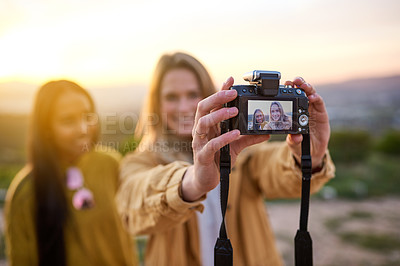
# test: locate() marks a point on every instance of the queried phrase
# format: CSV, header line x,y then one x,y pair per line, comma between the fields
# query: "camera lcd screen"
x,y
270,115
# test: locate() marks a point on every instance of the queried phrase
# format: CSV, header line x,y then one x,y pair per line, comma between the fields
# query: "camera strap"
x,y
302,240
223,252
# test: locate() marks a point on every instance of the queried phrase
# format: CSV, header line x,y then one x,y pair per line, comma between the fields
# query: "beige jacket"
x,y
149,203
94,236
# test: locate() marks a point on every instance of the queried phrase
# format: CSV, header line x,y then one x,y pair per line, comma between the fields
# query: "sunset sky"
x,y
117,43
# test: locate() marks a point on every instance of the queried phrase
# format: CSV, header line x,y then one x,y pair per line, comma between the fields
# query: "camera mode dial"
x,y
303,120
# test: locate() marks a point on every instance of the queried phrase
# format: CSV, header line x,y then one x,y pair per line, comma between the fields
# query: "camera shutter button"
x,y
298,91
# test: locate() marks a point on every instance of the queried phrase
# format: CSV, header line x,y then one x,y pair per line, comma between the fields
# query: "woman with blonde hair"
x,y
60,208
170,184
278,120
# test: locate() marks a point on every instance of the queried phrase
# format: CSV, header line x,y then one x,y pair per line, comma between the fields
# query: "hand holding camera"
x,y
292,109
318,125
265,107
203,175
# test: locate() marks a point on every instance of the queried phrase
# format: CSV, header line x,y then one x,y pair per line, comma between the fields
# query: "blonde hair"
x,y
283,117
150,123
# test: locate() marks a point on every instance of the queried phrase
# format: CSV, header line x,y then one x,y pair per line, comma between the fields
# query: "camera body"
x,y
265,107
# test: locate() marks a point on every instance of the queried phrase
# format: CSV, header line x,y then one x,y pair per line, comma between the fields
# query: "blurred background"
x,y
349,50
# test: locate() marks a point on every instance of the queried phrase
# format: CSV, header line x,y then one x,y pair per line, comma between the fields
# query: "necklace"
x,y
83,197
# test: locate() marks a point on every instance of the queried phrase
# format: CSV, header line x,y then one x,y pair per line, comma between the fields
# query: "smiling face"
x,y
73,125
180,94
275,113
259,117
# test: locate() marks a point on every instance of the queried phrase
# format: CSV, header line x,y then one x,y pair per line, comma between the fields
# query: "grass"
x,y
386,244
376,176
376,242
360,215
335,223
2,247
7,173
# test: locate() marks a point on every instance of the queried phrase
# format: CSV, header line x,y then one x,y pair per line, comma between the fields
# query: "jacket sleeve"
x,y
149,199
273,170
19,226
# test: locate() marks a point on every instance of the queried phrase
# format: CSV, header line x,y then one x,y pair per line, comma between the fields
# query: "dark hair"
x,y
254,119
48,179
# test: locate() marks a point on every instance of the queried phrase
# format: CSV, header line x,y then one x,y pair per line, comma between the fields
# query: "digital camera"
x,y
265,107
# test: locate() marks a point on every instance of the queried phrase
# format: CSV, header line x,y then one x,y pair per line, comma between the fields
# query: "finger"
x,y
225,86
294,143
298,81
214,131
289,83
307,87
199,140
213,119
215,100
208,125
216,144
246,141
317,102
294,139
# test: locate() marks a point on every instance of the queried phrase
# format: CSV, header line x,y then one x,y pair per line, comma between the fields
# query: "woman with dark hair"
x,y
60,208
169,184
278,120
258,120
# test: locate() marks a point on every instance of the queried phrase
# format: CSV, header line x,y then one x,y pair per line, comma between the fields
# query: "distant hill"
x,y
372,104
384,83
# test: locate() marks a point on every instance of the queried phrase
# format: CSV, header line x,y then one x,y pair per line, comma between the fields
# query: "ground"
x,y
351,233
343,232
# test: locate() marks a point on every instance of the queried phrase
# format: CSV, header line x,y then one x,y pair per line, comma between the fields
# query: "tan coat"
x,y
150,203
92,237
